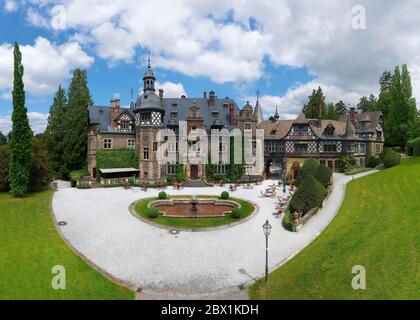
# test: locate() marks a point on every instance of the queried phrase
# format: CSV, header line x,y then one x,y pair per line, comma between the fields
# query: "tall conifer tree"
x,y
75,141
21,137
56,131
316,100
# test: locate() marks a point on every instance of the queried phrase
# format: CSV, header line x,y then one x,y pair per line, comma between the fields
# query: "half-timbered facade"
x,y
287,143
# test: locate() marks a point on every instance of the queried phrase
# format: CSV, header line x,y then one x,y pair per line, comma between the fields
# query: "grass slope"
x,y
377,227
30,246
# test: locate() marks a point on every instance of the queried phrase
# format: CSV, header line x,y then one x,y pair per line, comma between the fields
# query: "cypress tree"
x,y
56,131
21,137
76,119
402,110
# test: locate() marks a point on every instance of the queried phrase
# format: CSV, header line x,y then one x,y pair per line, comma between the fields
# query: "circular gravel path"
x,y
101,228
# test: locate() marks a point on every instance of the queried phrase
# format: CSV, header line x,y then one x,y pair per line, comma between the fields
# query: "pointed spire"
x,y
258,110
276,115
148,59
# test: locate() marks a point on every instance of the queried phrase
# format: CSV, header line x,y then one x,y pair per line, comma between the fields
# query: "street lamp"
x,y
267,229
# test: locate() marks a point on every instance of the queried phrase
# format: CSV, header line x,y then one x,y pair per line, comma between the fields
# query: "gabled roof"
x,y
301,119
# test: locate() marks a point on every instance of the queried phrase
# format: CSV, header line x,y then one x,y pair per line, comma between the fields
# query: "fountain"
x,y
193,210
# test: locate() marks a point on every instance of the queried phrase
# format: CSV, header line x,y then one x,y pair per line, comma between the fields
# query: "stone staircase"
x,y
194,184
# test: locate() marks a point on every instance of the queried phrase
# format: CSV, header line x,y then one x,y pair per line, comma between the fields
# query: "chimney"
x,y
161,93
320,111
352,114
212,98
115,111
231,114
205,95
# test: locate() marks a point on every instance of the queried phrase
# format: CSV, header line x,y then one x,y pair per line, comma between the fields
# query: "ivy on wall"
x,y
117,158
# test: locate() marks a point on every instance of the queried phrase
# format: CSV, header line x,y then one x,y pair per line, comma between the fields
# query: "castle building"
x,y
286,143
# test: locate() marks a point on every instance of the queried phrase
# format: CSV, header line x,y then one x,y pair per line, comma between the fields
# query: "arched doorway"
x,y
295,169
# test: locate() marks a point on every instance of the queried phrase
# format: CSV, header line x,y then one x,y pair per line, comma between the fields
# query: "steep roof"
x,y
101,115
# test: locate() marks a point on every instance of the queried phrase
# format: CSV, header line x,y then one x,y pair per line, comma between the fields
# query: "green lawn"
x,y
378,227
193,223
30,246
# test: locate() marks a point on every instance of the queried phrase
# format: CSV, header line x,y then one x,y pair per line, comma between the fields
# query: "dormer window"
x,y
174,114
174,105
329,130
273,132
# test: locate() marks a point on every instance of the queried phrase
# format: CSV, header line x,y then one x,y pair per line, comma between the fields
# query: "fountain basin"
x,y
194,207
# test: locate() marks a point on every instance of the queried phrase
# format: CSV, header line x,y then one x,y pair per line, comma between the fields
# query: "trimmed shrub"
x,y
391,159
224,195
162,195
170,180
236,213
373,162
77,174
308,168
323,174
310,194
153,213
413,147
117,158
383,153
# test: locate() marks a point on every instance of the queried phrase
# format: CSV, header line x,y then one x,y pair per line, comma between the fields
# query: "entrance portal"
x,y
295,169
194,172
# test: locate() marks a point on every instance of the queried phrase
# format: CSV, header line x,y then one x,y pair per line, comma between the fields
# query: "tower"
x,y
149,113
258,114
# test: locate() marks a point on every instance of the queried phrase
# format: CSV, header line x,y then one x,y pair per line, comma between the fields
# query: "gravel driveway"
x,y
102,229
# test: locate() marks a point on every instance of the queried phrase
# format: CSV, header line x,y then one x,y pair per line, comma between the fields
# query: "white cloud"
x,y
292,102
36,19
37,121
170,89
215,39
46,65
10,6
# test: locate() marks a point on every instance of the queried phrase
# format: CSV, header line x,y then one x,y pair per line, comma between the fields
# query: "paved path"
x,y
190,264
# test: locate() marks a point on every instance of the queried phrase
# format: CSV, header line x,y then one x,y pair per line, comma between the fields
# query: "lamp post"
x,y
267,229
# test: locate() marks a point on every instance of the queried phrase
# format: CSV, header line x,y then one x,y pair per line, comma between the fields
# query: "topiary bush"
x,y
153,213
308,168
373,162
236,213
224,195
310,194
323,174
391,159
383,153
162,195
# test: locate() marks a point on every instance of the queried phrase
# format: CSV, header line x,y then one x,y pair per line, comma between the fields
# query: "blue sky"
x,y
283,49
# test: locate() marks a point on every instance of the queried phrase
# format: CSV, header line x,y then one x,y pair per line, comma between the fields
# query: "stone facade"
x,y
286,143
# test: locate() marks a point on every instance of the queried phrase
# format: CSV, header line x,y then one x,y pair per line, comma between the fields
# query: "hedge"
x,y
117,158
383,153
308,168
413,147
323,174
391,159
77,174
373,162
310,195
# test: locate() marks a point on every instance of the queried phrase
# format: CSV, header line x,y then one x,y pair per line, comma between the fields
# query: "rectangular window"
x,y
171,169
330,147
131,143
125,126
145,153
221,169
300,128
145,117
155,146
247,126
107,143
378,148
301,147
146,174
